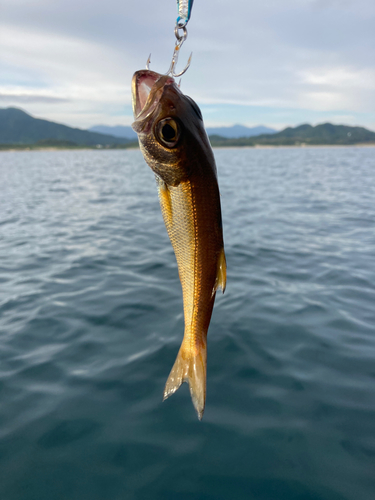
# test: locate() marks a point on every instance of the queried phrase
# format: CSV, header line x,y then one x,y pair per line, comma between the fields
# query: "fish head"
x,y
169,125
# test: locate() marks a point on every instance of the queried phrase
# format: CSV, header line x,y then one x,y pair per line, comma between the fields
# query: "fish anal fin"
x,y
221,276
190,367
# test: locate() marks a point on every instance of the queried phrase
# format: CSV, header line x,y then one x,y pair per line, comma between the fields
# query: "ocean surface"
x,y
91,321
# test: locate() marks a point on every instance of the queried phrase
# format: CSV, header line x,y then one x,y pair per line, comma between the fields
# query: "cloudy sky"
x,y
275,62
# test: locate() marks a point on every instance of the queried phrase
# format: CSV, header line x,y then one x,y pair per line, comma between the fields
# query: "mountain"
x,y
237,131
116,130
324,134
230,132
18,127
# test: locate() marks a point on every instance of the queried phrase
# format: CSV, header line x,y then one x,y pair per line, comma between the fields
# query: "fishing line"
x,y
184,12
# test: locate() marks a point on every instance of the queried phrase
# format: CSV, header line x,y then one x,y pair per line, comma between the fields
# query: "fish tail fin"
x,y
190,367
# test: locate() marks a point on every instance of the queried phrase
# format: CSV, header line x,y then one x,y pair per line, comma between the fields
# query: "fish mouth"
x,y
147,90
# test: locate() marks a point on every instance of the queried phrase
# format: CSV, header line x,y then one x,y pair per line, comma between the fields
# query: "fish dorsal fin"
x,y
221,276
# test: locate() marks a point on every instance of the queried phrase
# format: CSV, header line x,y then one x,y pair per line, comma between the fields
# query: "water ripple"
x,y
91,321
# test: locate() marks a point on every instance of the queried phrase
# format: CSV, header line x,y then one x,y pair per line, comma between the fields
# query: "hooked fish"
x,y
175,145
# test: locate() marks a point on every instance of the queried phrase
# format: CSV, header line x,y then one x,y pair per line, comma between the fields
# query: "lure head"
x,y
169,126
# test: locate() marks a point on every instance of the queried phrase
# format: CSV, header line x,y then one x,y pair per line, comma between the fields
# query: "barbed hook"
x,y
179,41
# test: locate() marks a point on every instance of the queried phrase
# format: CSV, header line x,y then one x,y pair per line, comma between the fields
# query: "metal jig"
x,y
179,41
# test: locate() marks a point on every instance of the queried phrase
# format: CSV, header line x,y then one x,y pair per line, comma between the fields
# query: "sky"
x,y
276,63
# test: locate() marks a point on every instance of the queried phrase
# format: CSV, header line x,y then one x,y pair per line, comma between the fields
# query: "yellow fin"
x,y
221,277
165,202
189,367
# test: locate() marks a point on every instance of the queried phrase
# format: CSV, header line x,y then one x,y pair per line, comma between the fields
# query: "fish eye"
x,y
168,132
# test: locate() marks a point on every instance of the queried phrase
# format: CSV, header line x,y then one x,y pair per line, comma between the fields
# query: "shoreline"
x,y
299,146
256,146
83,148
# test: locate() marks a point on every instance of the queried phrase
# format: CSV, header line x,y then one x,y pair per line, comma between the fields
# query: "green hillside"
x,y
18,127
325,134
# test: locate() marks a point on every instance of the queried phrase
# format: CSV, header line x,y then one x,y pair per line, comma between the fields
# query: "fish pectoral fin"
x,y
221,276
189,367
165,202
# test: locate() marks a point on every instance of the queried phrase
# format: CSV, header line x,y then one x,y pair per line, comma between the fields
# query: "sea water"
x,y
91,321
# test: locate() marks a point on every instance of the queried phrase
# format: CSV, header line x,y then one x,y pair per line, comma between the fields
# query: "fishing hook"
x,y
179,41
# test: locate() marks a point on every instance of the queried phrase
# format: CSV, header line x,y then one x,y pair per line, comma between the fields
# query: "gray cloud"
x,y
310,54
27,99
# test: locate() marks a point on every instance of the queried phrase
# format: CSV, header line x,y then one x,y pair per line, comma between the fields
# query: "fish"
x,y
175,145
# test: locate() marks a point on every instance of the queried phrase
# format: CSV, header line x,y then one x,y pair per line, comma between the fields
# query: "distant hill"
x,y
230,132
117,130
18,127
237,131
324,134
